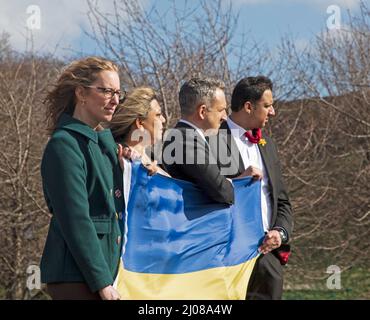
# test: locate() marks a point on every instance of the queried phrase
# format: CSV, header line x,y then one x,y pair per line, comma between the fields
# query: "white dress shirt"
x,y
252,157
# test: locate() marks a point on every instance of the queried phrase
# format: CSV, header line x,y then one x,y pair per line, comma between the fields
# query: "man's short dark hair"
x,y
197,91
249,89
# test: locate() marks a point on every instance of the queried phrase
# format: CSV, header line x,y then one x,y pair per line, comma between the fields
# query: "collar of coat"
x,y
69,123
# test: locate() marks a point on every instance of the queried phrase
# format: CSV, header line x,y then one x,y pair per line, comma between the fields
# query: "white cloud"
x,y
253,2
62,22
343,4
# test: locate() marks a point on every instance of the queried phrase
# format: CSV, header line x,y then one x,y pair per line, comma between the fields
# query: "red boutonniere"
x,y
256,136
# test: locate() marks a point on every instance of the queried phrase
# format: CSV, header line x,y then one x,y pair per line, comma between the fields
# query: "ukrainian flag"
x,y
181,245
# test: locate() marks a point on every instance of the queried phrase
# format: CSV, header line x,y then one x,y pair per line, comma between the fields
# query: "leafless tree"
x,y
23,79
322,132
164,48
324,139
322,127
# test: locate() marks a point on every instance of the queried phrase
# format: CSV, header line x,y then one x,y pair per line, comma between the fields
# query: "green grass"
x,y
2,293
355,284
343,294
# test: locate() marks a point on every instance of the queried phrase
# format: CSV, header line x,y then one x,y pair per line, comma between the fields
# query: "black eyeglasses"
x,y
109,93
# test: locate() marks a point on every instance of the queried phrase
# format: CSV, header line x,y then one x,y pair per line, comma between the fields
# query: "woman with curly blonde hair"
x,y
79,172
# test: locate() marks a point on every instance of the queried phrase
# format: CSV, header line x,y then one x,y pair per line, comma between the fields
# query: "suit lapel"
x,y
267,163
231,145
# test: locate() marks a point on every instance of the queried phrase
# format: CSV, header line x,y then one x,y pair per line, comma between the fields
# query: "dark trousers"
x,y
71,291
266,281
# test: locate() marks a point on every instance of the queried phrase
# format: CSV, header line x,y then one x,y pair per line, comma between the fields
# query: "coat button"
x,y
118,193
116,216
118,239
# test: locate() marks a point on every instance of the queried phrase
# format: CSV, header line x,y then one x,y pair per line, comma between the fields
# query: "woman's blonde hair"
x,y
135,106
62,98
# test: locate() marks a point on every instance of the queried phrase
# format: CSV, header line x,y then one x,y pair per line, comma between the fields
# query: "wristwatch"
x,y
283,235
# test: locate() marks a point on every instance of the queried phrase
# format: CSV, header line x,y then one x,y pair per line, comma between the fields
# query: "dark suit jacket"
x,y
186,156
231,165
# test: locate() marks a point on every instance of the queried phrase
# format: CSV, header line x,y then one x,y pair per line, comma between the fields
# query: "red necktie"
x,y
255,136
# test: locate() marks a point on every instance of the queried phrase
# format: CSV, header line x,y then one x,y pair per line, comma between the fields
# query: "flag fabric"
x,y
181,245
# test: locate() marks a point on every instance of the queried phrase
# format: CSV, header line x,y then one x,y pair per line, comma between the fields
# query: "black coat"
x,y
231,165
193,162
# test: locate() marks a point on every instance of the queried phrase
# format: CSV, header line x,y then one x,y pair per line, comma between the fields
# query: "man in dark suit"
x,y
186,154
240,145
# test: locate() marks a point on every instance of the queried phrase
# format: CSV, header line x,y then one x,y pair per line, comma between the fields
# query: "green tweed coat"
x,y
82,184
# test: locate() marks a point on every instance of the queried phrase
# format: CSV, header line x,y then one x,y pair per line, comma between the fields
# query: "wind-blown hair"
x,y
61,98
135,106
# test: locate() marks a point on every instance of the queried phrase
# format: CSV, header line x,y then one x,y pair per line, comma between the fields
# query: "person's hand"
x,y
109,293
99,128
151,167
127,153
272,241
253,172
120,157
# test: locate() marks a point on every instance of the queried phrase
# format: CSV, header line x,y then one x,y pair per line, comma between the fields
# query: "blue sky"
x,y
63,21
